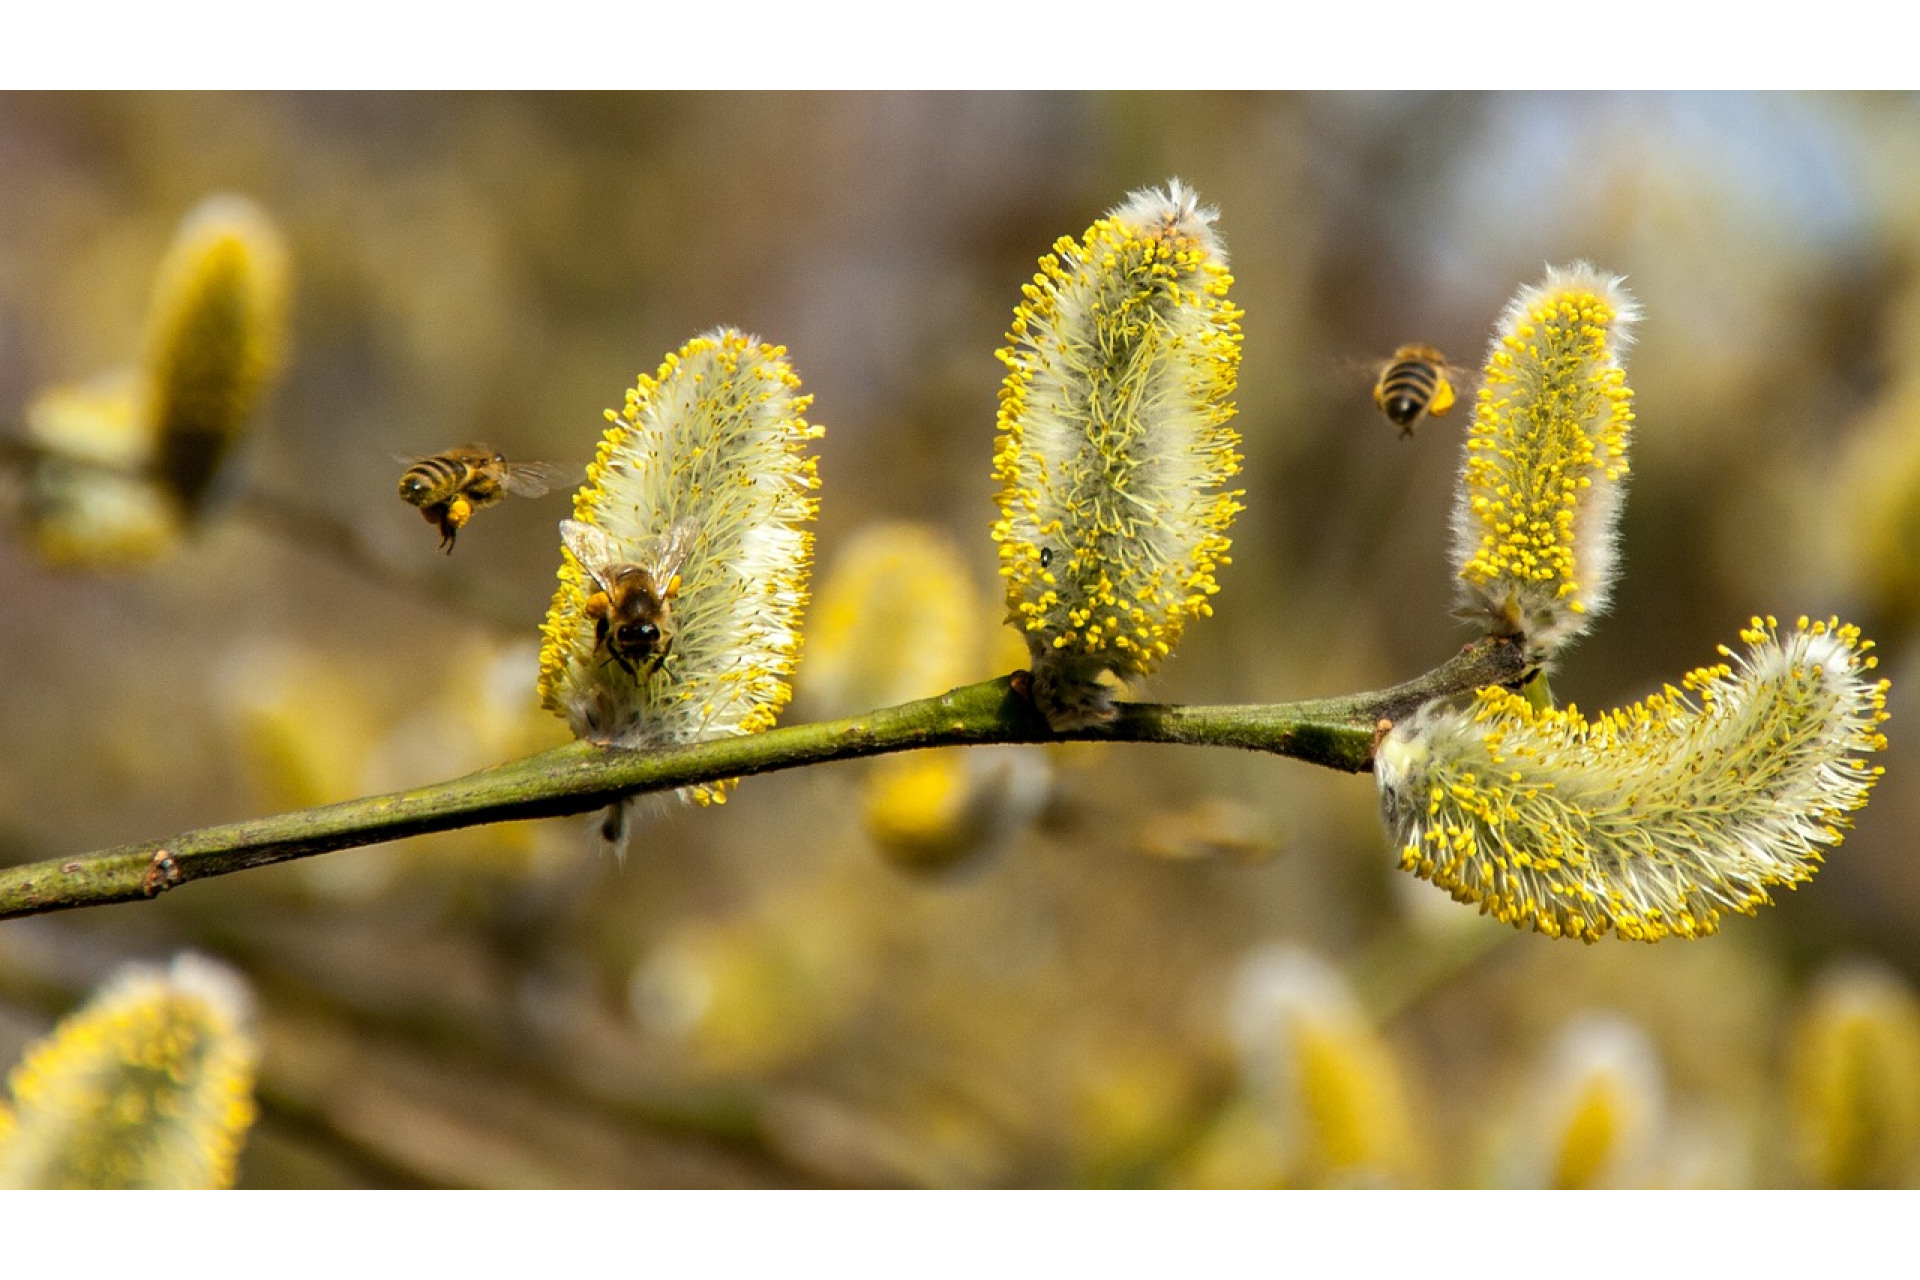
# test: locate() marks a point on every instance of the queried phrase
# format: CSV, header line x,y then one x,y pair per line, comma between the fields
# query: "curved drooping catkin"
x,y
1651,820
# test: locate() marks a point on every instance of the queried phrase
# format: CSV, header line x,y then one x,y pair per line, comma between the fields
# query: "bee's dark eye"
x,y
1046,557
639,633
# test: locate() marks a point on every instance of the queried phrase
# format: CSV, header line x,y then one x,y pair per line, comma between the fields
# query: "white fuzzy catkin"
x,y
1114,449
1546,462
716,437
1648,821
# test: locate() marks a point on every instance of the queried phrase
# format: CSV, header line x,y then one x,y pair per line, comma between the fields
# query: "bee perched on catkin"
x,y
1652,820
684,569
1114,451
1546,462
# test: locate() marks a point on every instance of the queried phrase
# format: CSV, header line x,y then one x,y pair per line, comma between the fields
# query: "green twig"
x,y
1338,733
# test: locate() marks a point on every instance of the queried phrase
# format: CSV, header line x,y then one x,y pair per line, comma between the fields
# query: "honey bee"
x,y
449,487
631,612
1415,383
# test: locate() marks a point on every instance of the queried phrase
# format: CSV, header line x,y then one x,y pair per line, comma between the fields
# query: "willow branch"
x,y
1337,733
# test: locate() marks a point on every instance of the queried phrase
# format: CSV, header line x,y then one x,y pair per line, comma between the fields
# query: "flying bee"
x,y
449,487
631,612
1416,383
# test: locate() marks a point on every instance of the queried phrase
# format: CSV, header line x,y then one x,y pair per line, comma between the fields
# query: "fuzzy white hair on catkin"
x,y
1576,277
1174,211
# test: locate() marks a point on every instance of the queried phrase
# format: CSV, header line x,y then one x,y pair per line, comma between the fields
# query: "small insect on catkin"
x,y
684,571
1114,449
1546,462
1648,821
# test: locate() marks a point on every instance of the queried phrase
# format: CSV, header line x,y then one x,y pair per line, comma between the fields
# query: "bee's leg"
x,y
436,514
458,511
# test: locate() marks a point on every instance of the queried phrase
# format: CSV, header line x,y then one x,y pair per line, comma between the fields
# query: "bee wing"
x,y
591,547
1344,376
1352,372
1347,370
1369,366
531,479
472,454
669,551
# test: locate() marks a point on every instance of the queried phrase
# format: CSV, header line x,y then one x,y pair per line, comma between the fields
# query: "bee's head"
x,y
636,635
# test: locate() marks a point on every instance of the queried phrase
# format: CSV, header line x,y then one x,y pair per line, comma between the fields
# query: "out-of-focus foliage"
x,y
754,999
